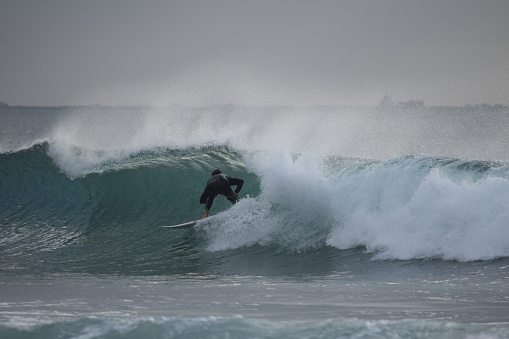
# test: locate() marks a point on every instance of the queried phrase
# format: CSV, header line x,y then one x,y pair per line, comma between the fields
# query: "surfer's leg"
x,y
208,204
210,200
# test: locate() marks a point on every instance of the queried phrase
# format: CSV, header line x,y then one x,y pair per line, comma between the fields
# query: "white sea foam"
x,y
433,217
405,208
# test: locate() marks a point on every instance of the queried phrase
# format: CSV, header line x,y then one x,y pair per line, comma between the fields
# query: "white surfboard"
x,y
184,225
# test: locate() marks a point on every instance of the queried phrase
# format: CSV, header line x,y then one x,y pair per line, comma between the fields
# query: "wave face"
x,y
82,197
104,220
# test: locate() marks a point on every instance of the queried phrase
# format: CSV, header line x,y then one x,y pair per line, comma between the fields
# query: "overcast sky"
x,y
253,52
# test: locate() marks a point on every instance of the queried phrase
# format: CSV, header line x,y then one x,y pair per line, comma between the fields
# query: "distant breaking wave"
x,y
108,220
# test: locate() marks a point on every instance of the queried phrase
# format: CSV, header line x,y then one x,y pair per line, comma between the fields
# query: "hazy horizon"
x,y
196,53
397,105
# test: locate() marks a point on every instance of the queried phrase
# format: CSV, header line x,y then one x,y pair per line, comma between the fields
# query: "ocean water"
x,y
353,222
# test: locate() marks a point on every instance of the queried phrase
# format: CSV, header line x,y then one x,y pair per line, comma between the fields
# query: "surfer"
x,y
219,183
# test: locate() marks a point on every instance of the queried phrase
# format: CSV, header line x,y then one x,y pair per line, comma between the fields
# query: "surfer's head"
x,y
215,172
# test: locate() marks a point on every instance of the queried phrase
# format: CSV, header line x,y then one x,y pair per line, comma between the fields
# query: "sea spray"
x,y
83,139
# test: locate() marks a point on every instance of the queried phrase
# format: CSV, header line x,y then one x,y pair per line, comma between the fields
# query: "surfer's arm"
x,y
238,182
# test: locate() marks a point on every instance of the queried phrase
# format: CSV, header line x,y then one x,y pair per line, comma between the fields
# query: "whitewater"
x,y
353,222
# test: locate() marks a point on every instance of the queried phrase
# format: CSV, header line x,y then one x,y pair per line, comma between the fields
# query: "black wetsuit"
x,y
220,184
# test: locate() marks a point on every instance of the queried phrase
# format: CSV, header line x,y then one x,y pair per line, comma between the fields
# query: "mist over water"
x,y
85,138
